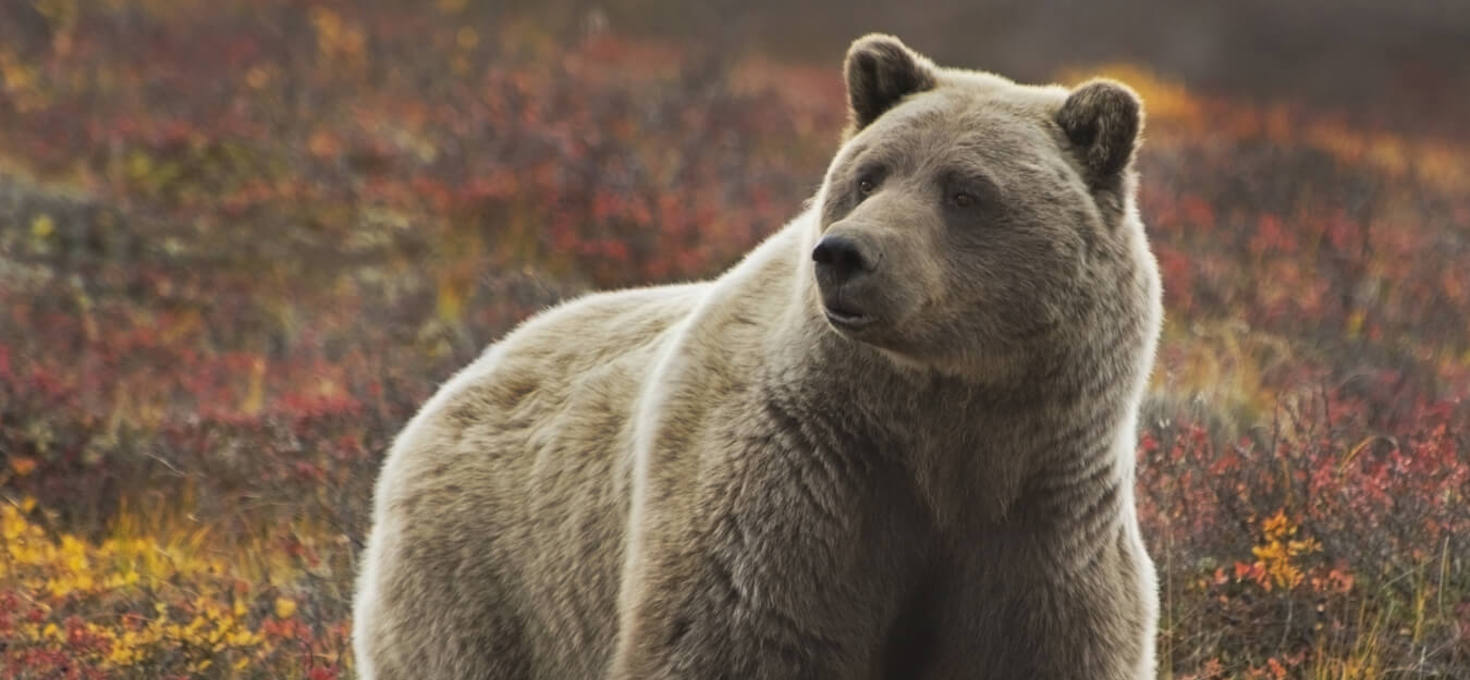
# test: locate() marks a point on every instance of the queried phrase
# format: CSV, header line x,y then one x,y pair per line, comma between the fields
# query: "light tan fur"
x,y
726,480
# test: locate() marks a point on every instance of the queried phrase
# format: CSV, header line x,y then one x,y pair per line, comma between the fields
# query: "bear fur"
x,y
895,441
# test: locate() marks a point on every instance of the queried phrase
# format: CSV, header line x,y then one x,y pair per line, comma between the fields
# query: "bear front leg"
x,y
776,573
1009,613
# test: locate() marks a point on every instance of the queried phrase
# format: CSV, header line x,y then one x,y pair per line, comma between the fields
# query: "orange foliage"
x,y
249,238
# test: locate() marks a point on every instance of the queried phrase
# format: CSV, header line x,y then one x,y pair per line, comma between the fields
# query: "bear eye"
x,y
963,199
866,186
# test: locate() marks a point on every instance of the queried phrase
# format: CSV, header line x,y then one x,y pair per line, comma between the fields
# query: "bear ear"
x,y
880,70
1102,119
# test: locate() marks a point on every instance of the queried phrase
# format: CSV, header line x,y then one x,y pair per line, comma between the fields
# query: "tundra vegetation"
x,y
241,242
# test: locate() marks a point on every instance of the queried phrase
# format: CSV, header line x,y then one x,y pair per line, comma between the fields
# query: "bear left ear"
x,y
1102,119
880,70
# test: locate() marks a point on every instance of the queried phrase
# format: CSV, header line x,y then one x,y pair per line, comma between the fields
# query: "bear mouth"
x,y
846,318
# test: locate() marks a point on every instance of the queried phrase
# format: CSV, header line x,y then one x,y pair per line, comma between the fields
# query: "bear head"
x,y
975,225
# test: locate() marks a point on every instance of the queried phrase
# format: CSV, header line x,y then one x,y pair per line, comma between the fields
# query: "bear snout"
x,y
845,264
840,257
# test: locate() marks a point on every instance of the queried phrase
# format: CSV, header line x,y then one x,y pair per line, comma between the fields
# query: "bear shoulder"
x,y
537,369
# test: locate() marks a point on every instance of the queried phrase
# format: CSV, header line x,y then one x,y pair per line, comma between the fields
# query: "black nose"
x,y
841,256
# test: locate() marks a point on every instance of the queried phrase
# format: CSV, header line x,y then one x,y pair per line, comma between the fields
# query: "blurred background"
x,y
242,240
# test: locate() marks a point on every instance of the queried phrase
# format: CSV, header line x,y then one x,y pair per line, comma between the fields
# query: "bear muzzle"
x,y
840,257
844,269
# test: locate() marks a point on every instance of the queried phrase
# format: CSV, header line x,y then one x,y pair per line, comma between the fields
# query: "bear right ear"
x,y
880,70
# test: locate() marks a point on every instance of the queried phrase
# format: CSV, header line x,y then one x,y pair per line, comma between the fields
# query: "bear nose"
x,y
841,256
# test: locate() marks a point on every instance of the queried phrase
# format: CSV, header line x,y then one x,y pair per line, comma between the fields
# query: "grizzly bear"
x,y
895,441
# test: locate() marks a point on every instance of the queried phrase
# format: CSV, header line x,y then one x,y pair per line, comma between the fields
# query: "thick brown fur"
x,y
921,470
